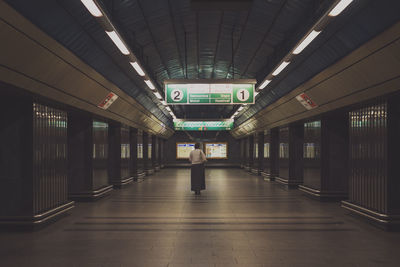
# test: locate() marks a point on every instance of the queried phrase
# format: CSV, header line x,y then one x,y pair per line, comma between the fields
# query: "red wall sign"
x,y
306,101
106,103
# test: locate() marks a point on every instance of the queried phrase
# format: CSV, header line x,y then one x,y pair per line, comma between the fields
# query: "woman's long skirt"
x,y
198,181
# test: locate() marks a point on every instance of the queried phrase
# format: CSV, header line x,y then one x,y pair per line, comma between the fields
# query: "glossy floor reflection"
x,y
239,220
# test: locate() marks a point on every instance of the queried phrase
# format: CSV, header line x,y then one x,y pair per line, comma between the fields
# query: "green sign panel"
x,y
201,93
177,93
224,125
243,93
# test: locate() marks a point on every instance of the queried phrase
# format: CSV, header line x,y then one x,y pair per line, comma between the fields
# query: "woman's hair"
x,y
197,145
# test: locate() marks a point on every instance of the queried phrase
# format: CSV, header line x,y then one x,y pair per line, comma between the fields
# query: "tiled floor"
x,y
240,220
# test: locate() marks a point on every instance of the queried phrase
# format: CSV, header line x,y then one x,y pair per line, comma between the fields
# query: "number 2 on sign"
x,y
243,95
176,95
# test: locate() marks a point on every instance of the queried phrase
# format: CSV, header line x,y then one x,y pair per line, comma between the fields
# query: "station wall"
x,y
201,137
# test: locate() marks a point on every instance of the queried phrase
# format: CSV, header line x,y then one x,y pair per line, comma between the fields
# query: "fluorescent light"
x,y
339,7
280,68
164,103
168,108
240,108
149,84
234,114
92,7
118,42
256,93
157,94
138,69
306,42
265,83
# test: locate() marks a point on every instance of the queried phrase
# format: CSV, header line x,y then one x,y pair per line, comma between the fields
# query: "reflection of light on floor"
x,y
218,185
182,181
239,220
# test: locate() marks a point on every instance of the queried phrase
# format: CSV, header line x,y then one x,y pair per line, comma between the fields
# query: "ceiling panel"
x,y
219,43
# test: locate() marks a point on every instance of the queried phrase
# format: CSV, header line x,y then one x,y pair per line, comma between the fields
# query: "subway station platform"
x,y
239,220
110,108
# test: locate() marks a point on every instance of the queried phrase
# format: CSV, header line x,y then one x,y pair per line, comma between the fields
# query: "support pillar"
x,y
249,152
150,157
266,171
145,152
160,154
141,173
254,155
33,160
258,146
147,162
326,157
87,157
291,155
133,136
260,152
120,155
274,154
242,153
374,172
155,140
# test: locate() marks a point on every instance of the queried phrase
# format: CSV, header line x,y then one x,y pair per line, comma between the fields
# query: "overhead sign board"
x,y
106,103
209,92
306,101
223,125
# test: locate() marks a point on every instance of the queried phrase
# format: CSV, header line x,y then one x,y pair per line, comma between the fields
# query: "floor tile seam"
x,y
241,230
209,223
204,198
183,217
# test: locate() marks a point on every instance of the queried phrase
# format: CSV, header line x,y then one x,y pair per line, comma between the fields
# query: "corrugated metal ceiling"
x,y
261,35
155,30
159,28
364,20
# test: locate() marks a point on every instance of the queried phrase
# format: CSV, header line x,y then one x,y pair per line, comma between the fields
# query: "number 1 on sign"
x,y
243,95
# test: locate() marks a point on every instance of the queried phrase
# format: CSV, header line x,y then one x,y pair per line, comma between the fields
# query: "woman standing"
x,y
197,158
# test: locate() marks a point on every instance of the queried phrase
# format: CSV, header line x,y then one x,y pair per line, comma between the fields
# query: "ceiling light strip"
x,y
265,83
92,7
150,84
96,11
311,35
138,69
118,42
157,94
340,7
281,67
